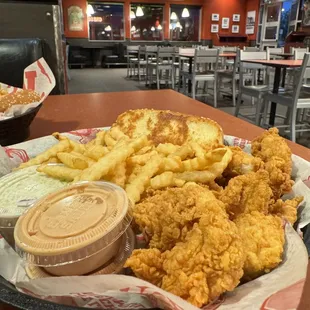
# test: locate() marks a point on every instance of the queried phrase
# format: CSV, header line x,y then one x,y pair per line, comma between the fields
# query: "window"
x,y
273,13
184,23
147,22
106,21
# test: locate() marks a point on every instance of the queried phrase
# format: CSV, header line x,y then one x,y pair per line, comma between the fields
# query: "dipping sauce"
x,y
75,230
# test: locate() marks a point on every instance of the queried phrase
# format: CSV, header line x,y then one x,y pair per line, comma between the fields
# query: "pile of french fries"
x,y
133,164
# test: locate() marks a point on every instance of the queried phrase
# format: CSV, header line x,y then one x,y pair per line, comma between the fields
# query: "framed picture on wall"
x,y
236,18
215,17
225,22
214,28
75,18
235,29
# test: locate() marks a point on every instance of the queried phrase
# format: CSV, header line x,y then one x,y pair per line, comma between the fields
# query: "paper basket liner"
x,y
125,292
38,77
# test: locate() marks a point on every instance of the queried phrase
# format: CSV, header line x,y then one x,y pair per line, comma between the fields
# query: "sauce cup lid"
x,y
72,224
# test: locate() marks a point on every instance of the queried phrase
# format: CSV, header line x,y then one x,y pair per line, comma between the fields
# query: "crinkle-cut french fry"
x,y
199,151
59,137
52,160
96,152
138,185
145,149
108,162
183,152
62,146
196,163
221,158
116,133
167,148
72,161
133,172
122,141
89,160
99,140
141,159
202,163
173,164
166,179
109,141
77,147
89,144
59,172
119,175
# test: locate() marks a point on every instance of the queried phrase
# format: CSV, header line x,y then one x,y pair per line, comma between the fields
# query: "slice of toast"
x,y
170,127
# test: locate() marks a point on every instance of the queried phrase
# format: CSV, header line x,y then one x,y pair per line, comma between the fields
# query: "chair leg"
x,y
234,92
193,89
238,104
139,75
266,106
157,78
258,112
215,93
172,78
184,85
293,125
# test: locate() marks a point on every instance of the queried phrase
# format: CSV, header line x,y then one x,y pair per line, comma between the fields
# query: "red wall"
x,y
253,5
226,8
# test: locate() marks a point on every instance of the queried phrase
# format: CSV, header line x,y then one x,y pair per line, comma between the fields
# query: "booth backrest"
x,y
15,56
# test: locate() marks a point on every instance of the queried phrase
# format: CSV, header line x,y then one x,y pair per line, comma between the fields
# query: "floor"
x,y
89,80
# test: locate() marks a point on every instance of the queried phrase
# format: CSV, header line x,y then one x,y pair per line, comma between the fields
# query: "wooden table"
x,y
69,112
278,64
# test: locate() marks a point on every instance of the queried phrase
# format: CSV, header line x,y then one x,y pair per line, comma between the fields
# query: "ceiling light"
x,y
178,25
159,27
132,15
103,32
283,9
173,16
170,26
139,11
108,28
90,10
133,29
153,28
185,12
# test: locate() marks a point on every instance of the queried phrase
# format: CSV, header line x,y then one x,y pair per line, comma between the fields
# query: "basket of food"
x,y
18,107
159,211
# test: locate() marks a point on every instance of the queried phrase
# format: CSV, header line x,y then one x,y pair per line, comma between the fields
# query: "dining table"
x,y
279,65
70,112
190,54
63,113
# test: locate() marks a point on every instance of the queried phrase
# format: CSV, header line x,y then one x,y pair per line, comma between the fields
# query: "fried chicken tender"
x,y
263,240
286,209
247,193
206,264
147,265
242,163
277,156
167,215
